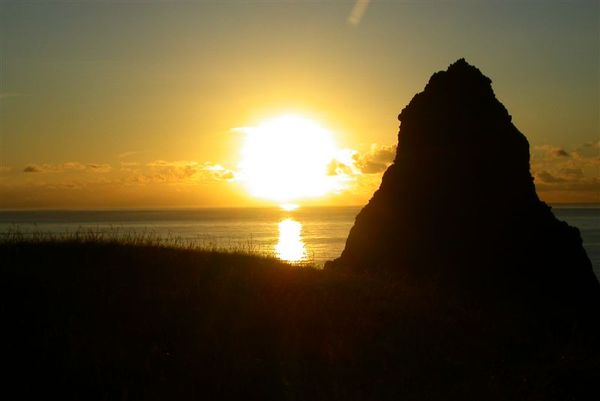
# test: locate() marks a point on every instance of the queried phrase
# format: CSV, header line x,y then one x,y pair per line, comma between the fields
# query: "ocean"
x,y
307,234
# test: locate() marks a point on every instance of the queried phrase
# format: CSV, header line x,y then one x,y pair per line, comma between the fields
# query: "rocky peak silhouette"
x,y
457,221
458,205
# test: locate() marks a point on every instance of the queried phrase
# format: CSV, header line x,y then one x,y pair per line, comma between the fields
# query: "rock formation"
x,y
459,206
457,220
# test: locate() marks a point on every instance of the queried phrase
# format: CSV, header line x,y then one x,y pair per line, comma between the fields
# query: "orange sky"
x,y
120,104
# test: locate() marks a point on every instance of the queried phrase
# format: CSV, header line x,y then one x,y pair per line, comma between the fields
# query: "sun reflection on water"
x,y
290,246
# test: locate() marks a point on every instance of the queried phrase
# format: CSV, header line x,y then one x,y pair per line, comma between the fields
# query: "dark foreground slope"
x,y
107,321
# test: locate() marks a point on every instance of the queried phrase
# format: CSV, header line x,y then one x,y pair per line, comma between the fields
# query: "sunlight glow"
x,y
289,207
287,158
290,246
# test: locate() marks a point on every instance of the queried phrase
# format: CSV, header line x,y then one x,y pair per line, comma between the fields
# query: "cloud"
x,y
561,153
357,174
164,171
181,172
157,171
567,174
99,168
572,173
376,160
67,167
548,178
594,145
559,184
32,169
549,151
551,158
218,172
336,167
53,168
590,149
350,164
130,153
369,167
358,12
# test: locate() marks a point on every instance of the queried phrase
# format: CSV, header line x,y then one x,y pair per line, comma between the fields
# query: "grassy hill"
x,y
97,319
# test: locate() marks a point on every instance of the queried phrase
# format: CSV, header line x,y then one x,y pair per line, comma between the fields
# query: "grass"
x,y
104,318
115,235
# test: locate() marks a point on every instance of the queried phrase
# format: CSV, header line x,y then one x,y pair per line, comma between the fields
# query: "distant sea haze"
x,y
306,235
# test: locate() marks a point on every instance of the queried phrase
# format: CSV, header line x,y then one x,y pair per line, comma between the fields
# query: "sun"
x,y
287,158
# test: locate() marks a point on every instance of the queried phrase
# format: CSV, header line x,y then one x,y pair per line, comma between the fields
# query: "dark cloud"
x,y
587,185
54,168
99,168
32,169
595,145
589,149
568,179
561,153
548,178
547,152
574,173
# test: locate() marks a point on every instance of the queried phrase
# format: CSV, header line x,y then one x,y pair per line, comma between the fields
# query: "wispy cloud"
x,y
99,167
54,168
130,153
358,11
68,166
184,172
179,172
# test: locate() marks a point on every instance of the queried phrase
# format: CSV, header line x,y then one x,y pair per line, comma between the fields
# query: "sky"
x,y
119,104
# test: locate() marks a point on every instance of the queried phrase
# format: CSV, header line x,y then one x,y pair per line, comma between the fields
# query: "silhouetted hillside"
x,y
104,321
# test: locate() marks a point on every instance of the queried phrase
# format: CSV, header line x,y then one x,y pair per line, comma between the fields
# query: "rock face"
x,y
457,221
459,206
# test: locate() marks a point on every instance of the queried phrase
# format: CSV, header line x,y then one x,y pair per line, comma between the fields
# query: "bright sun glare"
x,y
286,158
290,246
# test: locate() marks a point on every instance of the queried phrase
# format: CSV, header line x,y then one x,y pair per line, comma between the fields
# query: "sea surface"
x,y
307,234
